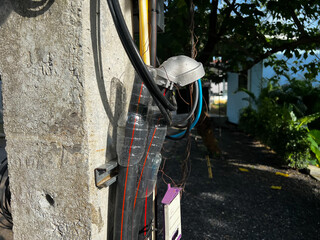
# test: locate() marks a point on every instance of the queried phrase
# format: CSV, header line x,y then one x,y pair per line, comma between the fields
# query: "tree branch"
x,y
261,37
223,27
213,38
285,46
297,22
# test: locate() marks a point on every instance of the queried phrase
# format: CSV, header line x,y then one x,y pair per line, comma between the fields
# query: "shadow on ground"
x,y
236,204
242,205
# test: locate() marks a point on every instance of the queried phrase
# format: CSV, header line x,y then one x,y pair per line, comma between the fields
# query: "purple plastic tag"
x,y
172,213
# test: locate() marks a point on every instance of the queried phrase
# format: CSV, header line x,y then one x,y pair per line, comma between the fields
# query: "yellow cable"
x,y
144,31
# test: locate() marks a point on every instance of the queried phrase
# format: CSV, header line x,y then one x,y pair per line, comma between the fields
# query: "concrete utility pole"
x,y
62,95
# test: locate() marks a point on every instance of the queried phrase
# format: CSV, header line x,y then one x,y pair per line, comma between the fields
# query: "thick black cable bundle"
x,y
185,134
5,195
163,103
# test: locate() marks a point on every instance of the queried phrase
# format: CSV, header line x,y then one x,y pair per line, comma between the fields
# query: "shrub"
x,y
248,120
277,126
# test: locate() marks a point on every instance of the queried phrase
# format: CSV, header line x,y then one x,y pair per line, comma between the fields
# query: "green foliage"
x,y
248,120
314,139
315,134
276,124
243,32
175,40
308,69
308,119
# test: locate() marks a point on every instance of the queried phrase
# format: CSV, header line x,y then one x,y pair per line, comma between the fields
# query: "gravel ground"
x,y
237,204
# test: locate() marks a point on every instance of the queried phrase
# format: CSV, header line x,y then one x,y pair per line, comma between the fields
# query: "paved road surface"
x,y
243,199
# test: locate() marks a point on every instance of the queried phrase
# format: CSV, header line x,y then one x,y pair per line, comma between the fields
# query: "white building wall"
x,y
256,83
236,101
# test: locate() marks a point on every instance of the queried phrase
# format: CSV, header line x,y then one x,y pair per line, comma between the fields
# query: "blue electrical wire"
x,y
198,113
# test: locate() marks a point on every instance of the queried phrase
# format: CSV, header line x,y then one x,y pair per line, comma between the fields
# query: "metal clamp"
x,y
106,174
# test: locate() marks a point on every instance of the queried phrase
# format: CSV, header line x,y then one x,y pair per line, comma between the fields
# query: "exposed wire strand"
x,y
185,165
182,97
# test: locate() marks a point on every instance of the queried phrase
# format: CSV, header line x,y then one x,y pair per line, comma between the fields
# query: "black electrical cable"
x,y
194,107
135,57
137,61
165,113
185,134
5,195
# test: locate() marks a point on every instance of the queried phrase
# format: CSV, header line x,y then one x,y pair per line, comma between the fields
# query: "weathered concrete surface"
x,y
60,109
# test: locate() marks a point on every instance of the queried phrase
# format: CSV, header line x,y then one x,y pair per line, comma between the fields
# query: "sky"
x,y
268,71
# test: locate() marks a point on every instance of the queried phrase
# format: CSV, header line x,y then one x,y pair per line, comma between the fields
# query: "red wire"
x,y
125,185
144,163
145,213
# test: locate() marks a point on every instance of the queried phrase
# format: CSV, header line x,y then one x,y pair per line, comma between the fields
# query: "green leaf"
x,y
297,53
308,119
313,162
315,134
314,147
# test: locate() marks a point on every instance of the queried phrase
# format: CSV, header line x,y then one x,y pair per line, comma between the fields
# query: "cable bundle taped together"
x,y
142,131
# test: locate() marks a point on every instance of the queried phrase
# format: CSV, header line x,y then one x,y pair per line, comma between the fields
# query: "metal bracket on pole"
x,y
106,174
